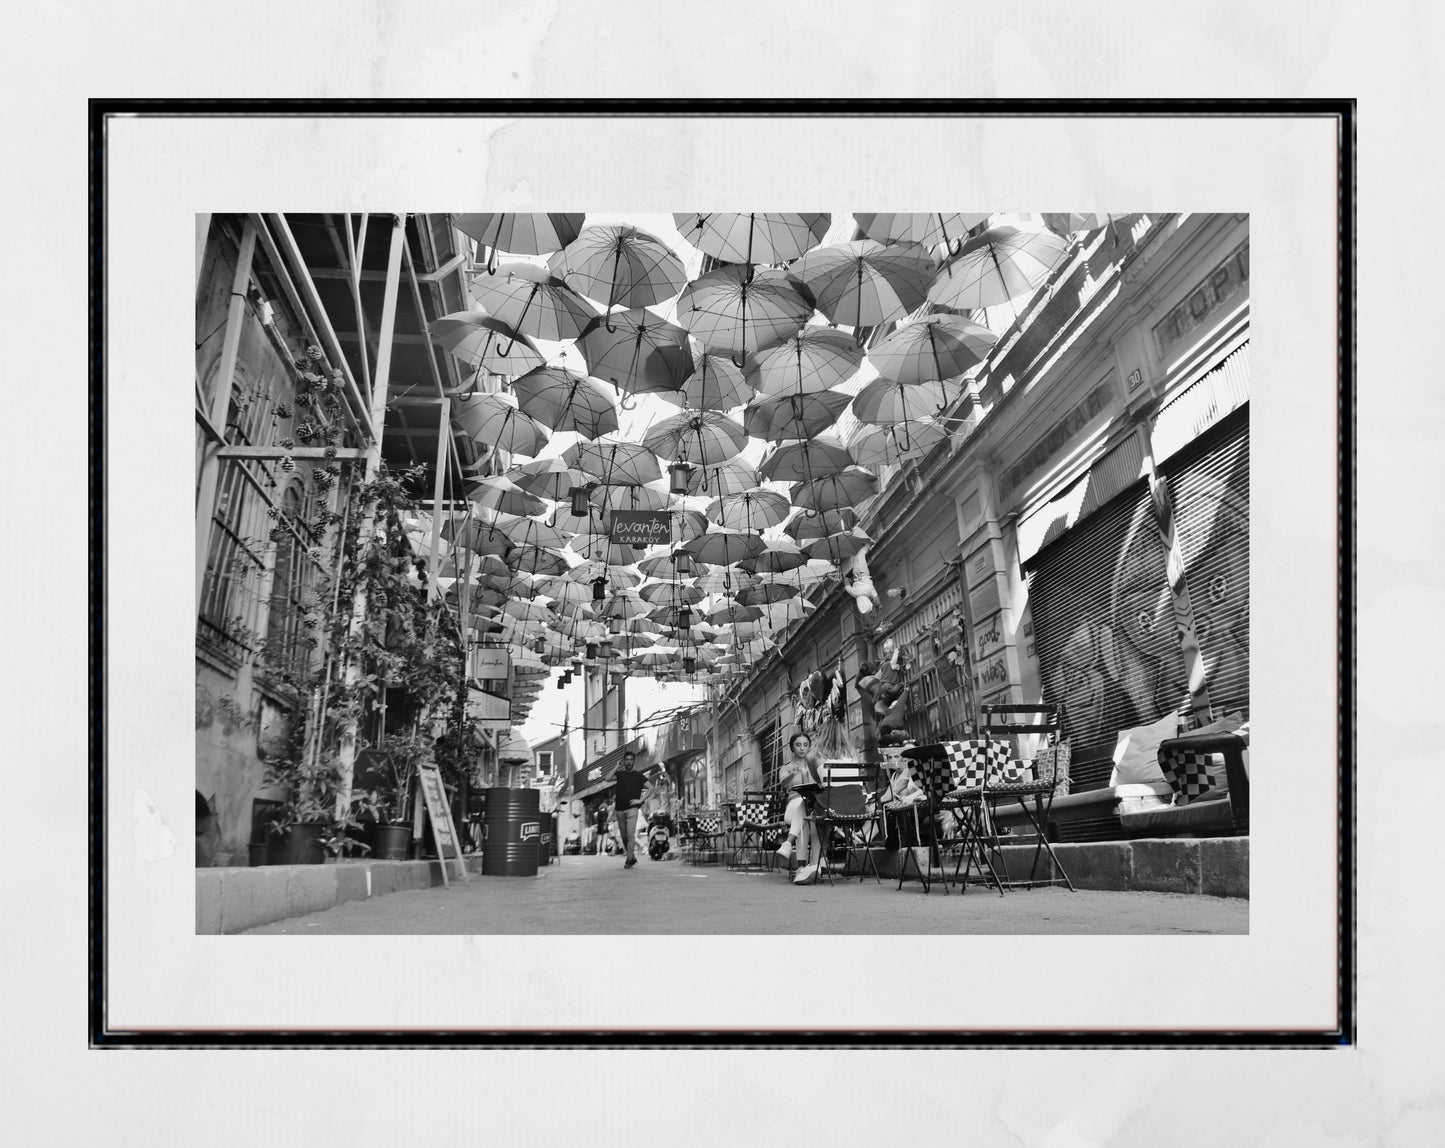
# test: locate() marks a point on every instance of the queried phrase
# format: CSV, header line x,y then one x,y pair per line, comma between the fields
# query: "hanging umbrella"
x,y
781,554
838,548
602,549
495,421
658,656
736,237
686,524
567,597
730,612
865,283
531,300
616,575
531,532
637,351
766,593
849,488
549,478
678,593
614,462
933,348
755,509
883,402
619,263
727,477
812,572
725,547
1067,223
624,603
888,445
936,229
816,358
724,580
997,266
715,384
799,460
564,400
776,417
527,611
525,233
776,615
667,564
496,492
733,310
480,340
708,437
474,535
629,498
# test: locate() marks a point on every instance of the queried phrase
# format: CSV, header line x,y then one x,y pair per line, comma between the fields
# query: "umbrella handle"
x,y
492,262
623,404
607,321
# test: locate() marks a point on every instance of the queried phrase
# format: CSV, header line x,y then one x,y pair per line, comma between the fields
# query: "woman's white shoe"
x,y
805,874
785,850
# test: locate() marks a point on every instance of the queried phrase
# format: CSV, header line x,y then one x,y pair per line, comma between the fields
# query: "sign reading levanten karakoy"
x,y
640,528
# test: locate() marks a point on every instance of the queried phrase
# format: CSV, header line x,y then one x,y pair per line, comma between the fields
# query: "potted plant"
x,y
386,808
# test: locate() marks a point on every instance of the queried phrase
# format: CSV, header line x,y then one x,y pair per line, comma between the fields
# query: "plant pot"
x,y
299,845
256,853
389,842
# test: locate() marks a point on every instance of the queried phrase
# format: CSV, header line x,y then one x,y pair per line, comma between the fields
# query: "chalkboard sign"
x,y
439,817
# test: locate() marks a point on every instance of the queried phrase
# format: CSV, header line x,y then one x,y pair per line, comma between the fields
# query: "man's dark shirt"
x,y
629,789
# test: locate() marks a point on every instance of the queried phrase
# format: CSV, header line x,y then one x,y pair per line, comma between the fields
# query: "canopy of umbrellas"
x,y
763,344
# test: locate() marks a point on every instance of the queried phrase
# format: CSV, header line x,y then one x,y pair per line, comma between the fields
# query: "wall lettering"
x,y
1218,286
1052,443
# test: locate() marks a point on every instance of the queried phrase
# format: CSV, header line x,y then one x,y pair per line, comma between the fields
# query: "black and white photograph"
x,y
716,568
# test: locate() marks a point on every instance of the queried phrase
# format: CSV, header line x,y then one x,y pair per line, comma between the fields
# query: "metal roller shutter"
x,y
1210,485
1104,623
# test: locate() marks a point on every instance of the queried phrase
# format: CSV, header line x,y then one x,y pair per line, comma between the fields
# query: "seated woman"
x,y
801,769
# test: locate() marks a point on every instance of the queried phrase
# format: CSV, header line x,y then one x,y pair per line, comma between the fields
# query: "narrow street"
x,y
595,895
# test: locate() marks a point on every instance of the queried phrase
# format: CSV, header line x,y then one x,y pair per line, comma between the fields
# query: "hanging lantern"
x,y
599,589
591,650
678,474
688,665
684,617
577,665
615,625
562,682
605,650
578,496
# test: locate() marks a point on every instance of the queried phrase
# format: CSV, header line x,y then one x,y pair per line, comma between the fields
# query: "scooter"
x,y
657,843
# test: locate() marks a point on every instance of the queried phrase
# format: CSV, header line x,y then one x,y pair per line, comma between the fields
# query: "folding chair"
x,y
757,823
951,774
841,815
706,832
1021,781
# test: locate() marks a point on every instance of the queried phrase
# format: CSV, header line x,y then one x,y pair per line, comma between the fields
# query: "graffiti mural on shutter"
x,y
1210,483
1103,621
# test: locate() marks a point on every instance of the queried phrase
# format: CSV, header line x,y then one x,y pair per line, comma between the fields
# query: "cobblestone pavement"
x,y
595,895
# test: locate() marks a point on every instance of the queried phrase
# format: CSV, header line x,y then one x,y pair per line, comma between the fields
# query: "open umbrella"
x,y
686,524
724,580
849,488
726,477
933,348
936,229
615,575
637,351
838,548
626,497
532,300
737,237
755,509
781,554
708,437
883,402
532,532
521,233
476,536
715,384
875,446
548,478
614,461
1066,223
527,610
497,492
535,560
619,263
679,592
724,547
667,564
731,612
486,343
864,283
776,417
799,460
495,421
815,358
564,400
997,266
730,309
765,593
599,548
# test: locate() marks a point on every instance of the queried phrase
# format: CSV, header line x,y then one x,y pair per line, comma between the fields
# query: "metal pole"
x,y
210,476
347,753
443,441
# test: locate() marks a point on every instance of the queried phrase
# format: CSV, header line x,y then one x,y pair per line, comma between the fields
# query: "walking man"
x,y
629,797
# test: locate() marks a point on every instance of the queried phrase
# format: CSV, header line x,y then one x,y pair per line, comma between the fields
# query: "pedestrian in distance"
x,y
601,838
632,790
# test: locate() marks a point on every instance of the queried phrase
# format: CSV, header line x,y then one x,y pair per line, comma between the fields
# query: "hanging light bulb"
x,y
678,474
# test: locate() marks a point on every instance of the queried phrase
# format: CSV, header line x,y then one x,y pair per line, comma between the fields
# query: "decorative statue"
x,y
823,714
885,694
859,583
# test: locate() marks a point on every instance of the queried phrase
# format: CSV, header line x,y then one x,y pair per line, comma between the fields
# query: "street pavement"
x,y
595,895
